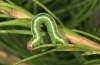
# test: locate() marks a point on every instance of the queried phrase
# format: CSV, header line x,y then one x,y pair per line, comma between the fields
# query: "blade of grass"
x,y
36,1
88,34
91,53
16,31
16,7
93,62
34,56
14,23
5,16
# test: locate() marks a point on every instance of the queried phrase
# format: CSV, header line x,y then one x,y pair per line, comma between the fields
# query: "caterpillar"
x,y
52,30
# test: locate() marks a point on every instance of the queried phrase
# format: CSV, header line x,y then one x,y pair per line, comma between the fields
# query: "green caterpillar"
x,y
52,30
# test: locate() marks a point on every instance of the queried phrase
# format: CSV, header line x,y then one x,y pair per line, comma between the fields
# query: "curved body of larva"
x,y
55,36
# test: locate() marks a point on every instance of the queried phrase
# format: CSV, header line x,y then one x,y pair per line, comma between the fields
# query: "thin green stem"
x,y
36,1
34,56
16,31
88,34
14,23
35,8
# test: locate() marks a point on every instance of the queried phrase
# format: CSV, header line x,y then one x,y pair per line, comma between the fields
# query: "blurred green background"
x,y
75,14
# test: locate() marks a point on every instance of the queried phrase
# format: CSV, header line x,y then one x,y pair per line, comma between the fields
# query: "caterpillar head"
x,y
29,46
